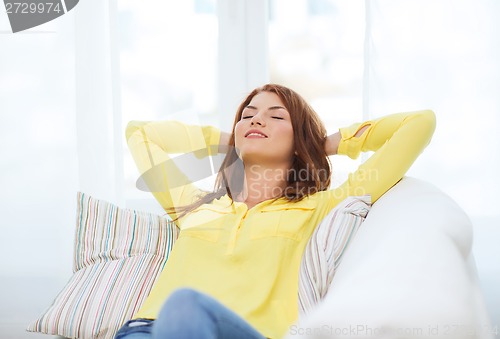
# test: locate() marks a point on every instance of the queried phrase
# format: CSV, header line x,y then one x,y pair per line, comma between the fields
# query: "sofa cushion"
x,y
325,249
118,256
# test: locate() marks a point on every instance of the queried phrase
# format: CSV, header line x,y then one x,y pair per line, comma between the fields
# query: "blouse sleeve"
x,y
397,141
151,143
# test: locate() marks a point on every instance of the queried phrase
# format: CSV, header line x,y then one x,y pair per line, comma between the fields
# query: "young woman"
x,y
233,272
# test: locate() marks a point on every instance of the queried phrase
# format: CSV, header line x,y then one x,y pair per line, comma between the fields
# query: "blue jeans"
x,y
188,314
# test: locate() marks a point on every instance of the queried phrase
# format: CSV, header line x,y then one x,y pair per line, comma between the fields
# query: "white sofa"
x,y
409,268
408,273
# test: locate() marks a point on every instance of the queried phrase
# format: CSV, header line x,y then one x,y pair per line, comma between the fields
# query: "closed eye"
x,y
247,117
279,118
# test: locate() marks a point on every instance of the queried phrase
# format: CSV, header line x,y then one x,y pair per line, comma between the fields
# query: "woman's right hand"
x,y
224,142
332,143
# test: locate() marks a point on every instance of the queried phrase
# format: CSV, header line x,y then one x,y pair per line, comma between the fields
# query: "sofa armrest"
x,y
406,273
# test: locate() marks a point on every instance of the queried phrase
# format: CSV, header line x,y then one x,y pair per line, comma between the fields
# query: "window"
x,y
316,48
168,52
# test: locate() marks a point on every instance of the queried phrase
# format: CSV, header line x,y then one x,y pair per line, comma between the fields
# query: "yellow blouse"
x,y
249,259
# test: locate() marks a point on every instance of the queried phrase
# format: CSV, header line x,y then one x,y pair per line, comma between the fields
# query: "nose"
x,y
257,120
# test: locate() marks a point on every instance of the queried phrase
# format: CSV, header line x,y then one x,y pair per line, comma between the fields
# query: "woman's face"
x,y
264,134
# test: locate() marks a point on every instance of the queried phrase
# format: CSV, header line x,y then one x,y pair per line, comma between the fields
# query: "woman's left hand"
x,y
332,143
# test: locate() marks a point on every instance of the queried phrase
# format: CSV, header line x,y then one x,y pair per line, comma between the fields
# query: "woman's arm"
x,y
397,141
333,140
150,144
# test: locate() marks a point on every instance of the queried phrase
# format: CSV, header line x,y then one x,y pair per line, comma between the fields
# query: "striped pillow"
x,y
118,256
325,248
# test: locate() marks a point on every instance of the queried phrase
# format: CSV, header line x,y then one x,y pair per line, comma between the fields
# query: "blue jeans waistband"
x,y
139,325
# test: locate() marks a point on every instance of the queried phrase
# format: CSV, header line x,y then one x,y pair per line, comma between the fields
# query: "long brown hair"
x,y
310,171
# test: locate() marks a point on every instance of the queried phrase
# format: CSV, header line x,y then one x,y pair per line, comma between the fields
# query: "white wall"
x,y
39,164
39,169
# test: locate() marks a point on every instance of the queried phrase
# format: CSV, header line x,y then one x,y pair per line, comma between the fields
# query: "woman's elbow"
x,y
429,119
426,121
426,124
132,127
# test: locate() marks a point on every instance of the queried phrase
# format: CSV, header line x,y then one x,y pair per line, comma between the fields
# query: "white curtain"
x,y
443,55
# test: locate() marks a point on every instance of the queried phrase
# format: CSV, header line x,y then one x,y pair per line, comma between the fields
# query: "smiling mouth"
x,y
255,134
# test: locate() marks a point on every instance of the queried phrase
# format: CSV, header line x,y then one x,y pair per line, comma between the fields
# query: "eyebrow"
x,y
270,108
